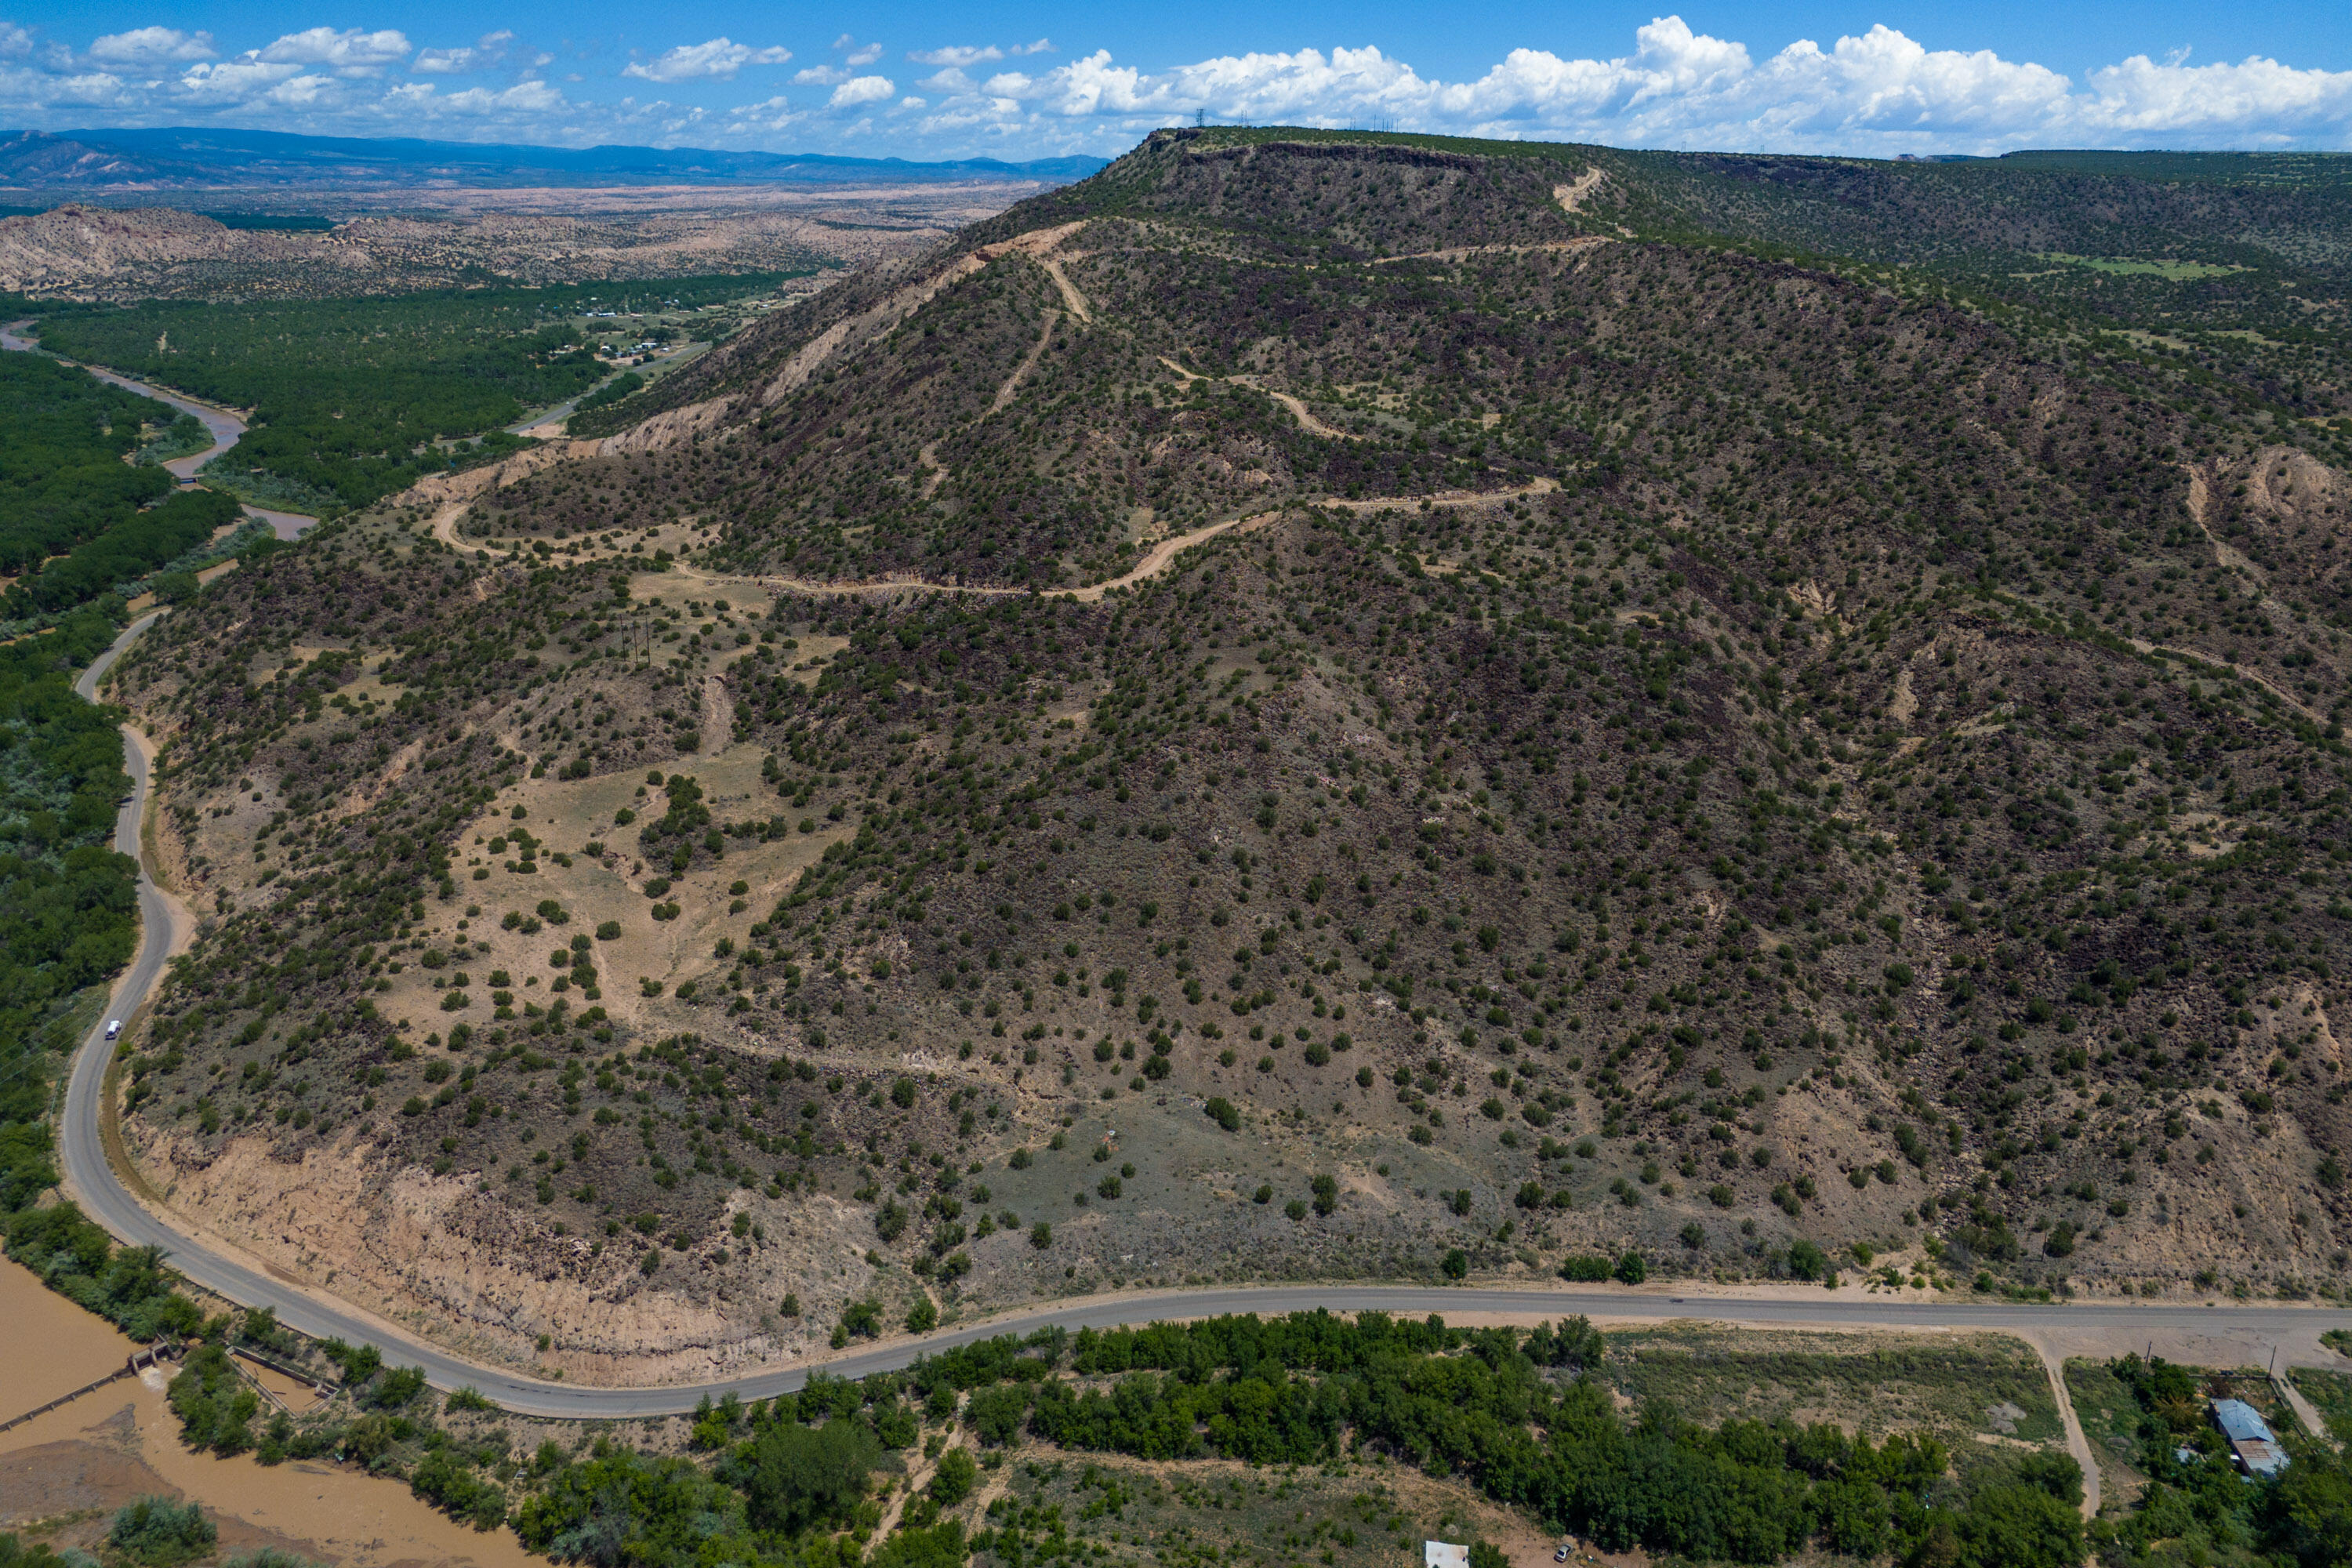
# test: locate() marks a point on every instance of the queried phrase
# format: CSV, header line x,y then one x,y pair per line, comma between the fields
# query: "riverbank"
x,y
226,427
62,1475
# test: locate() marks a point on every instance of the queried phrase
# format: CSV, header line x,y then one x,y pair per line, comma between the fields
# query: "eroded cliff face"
x,y
473,1272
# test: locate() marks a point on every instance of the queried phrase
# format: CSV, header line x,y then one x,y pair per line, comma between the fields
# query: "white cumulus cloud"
x,y
144,46
96,89
490,50
350,52
525,98
860,90
956,55
233,81
1878,93
303,91
719,59
765,118
1874,94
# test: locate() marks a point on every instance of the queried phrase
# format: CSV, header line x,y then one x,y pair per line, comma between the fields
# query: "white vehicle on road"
x,y
113,1027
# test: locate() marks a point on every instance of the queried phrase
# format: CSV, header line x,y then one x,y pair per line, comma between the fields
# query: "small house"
x,y
2252,1441
1443,1555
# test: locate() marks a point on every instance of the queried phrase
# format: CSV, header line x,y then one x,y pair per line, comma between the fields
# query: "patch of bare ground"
x,y
1571,193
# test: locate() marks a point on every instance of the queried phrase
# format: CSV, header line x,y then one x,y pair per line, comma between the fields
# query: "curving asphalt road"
x,y
659,365
95,1184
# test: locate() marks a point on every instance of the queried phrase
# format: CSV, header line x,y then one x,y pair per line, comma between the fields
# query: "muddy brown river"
x,y
63,1474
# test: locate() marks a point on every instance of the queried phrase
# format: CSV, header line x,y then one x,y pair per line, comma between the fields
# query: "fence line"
x,y
285,1369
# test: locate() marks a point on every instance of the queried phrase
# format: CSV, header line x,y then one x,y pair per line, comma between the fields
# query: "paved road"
x,y
105,1199
651,369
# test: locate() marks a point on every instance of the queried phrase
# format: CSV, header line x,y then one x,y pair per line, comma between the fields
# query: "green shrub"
x,y
215,1405
450,1485
803,1475
953,1481
15,1554
156,1532
941,1546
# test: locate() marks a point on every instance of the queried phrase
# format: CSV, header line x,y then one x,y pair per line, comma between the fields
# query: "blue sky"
x,y
1014,79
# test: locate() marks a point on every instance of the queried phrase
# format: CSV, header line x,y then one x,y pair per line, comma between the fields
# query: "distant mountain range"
x,y
185,158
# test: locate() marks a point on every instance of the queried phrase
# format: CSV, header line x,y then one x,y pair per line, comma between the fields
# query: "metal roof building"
x,y
2251,1438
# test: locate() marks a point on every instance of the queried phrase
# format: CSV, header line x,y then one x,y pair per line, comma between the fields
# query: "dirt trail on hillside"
x,y
1569,196
1012,387
1158,560
2239,670
898,305
1040,246
1573,192
2200,495
1306,421
444,527
1070,295
1298,410
1465,252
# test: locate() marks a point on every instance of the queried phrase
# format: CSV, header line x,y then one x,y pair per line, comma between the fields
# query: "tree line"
x,y
1515,1412
355,399
136,544
64,435
68,918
